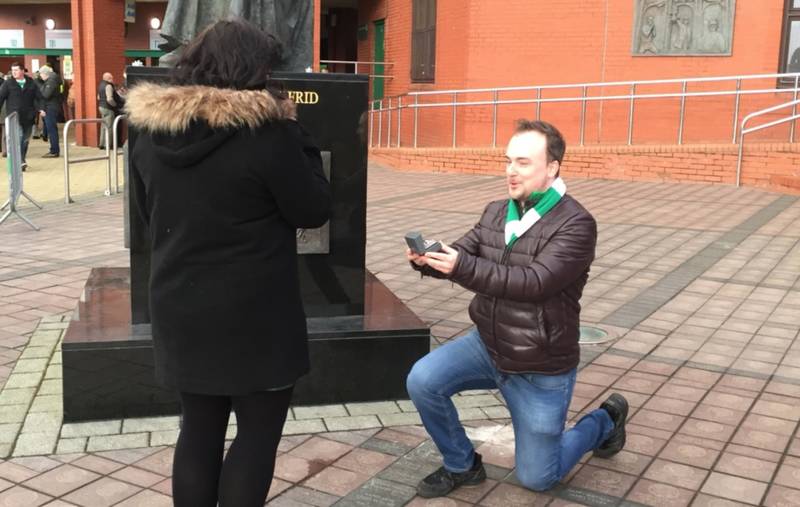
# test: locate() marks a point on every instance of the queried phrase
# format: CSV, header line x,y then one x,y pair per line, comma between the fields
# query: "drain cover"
x,y
591,335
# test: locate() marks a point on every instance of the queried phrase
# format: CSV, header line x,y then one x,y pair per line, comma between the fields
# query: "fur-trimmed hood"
x,y
170,109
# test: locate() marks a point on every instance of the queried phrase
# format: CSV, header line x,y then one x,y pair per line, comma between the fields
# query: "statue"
x,y
290,21
648,36
713,41
682,29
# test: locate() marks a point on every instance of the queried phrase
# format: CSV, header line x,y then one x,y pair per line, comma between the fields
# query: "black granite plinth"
x,y
108,362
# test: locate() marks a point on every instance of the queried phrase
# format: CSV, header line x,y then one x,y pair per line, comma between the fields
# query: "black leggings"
x,y
199,476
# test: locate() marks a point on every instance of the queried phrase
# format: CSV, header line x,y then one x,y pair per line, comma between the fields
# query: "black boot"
x,y
617,407
441,482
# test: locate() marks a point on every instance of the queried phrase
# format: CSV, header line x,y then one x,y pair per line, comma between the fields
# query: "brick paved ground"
x,y
699,284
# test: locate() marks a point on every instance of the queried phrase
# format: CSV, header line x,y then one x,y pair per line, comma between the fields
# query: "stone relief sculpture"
x,y
682,20
683,27
648,36
291,21
713,41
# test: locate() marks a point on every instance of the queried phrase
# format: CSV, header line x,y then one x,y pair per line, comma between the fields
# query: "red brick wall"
x,y
522,43
13,17
139,33
98,46
772,166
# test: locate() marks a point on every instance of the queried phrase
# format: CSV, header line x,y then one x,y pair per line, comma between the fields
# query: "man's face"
x,y
17,72
527,170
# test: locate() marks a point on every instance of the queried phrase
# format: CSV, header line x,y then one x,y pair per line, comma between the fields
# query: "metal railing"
x,y
370,65
114,148
13,135
385,107
68,161
744,130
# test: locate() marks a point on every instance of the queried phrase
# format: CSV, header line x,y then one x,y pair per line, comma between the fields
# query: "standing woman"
x,y
223,175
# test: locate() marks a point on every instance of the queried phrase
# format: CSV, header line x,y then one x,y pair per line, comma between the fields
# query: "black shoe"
x,y
35,136
24,166
442,482
617,407
50,155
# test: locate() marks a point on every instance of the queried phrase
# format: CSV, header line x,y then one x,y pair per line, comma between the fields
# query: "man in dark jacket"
x,y
21,95
51,91
110,103
527,260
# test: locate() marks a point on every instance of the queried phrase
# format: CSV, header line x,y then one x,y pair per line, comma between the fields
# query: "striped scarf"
x,y
543,202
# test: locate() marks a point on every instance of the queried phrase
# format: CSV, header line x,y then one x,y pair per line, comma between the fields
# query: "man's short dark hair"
x,y
229,54
16,64
556,146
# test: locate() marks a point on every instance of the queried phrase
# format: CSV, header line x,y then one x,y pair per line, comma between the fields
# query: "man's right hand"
x,y
419,260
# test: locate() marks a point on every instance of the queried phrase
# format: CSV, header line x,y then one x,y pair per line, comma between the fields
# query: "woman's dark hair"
x,y
229,54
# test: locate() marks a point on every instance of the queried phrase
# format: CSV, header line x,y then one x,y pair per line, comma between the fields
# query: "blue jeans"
x,y
51,127
545,453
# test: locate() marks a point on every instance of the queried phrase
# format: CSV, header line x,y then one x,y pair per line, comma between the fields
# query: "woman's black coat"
x,y
224,178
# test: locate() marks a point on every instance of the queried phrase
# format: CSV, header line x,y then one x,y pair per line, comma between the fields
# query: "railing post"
x,y
108,161
736,105
630,114
67,199
683,111
399,117
583,113
355,71
741,153
380,122
794,109
416,111
371,121
455,100
114,147
538,103
494,119
389,125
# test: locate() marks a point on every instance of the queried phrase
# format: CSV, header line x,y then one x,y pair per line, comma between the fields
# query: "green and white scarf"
x,y
543,202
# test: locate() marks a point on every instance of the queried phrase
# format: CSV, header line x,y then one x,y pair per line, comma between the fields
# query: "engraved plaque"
x,y
317,241
683,27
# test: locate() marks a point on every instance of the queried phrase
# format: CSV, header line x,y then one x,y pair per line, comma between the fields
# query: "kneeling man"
x,y
527,261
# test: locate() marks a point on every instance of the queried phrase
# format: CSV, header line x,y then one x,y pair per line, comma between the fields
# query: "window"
x,y
423,40
790,43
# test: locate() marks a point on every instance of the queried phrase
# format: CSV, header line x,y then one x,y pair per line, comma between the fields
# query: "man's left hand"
x,y
443,261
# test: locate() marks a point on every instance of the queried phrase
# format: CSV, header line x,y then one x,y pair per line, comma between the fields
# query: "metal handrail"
x,y
743,131
743,77
67,161
357,63
583,99
114,147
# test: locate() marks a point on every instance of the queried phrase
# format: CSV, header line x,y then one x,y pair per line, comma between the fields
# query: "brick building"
x,y
518,43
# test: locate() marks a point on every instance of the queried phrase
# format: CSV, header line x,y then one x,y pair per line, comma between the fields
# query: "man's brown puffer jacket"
x,y
526,299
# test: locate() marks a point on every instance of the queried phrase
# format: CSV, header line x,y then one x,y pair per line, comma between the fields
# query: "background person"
x,y
53,100
224,175
109,103
21,95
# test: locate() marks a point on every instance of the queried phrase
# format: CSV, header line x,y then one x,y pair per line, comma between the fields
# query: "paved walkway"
x,y
700,286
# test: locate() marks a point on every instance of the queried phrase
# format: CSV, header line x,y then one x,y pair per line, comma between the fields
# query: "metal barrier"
x,y
13,136
356,63
67,161
114,147
744,130
411,100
